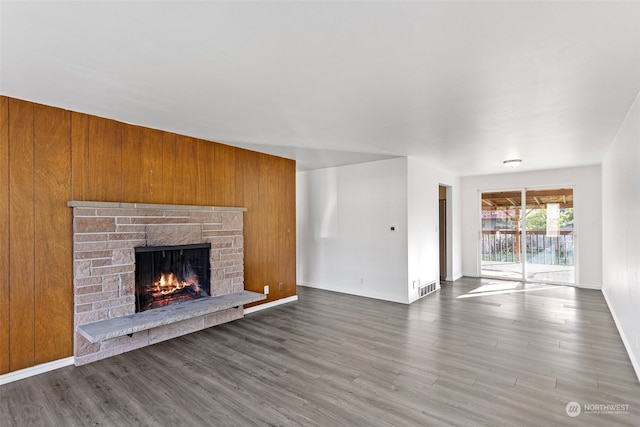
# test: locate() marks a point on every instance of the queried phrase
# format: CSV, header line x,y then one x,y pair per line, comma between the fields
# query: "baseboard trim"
x,y
270,304
625,341
350,292
587,286
35,370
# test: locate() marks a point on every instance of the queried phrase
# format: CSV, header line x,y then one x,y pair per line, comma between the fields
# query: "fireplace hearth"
x,y
168,274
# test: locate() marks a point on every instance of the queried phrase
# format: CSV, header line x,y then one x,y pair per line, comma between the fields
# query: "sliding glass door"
x,y
550,236
501,223
527,234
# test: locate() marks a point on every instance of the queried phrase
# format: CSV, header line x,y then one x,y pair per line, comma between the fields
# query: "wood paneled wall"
x,y
49,156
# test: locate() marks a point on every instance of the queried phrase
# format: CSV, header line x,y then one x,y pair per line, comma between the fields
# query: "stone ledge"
x,y
118,205
132,323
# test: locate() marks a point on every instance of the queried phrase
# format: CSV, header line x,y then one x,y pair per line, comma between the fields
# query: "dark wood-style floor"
x,y
477,352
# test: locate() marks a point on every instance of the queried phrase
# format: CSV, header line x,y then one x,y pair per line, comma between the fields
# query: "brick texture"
x,y
104,265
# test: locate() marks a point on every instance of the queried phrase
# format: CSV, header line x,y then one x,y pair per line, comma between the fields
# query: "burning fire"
x,y
169,279
169,283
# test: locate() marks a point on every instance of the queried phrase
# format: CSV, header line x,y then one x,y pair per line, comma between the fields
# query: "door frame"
x,y
448,250
523,232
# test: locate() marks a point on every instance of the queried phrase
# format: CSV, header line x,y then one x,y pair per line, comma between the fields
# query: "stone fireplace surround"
x,y
104,237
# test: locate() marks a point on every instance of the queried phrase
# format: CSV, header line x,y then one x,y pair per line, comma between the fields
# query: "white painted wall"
x,y
587,185
344,216
621,231
422,210
454,238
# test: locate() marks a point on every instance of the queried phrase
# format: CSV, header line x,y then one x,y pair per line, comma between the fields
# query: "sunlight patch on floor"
x,y
498,288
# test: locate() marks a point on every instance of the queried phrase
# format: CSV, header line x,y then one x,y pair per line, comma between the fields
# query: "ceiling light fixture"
x,y
512,163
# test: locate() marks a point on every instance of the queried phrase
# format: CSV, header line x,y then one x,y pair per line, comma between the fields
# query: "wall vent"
x,y
426,289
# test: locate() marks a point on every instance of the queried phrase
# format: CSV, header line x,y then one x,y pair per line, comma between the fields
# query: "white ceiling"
x,y
465,85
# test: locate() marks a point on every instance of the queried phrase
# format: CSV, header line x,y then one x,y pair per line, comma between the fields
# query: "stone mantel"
x,y
152,206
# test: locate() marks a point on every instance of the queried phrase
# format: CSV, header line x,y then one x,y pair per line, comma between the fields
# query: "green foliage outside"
x,y
537,219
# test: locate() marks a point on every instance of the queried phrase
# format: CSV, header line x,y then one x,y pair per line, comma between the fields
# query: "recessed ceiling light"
x,y
512,163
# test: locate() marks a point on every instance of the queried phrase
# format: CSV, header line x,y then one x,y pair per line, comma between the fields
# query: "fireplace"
x,y
106,235
168,274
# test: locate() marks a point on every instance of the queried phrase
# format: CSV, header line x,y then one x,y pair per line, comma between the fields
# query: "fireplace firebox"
x,y
167,274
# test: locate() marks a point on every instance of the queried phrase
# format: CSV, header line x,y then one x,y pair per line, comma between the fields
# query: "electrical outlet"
x,y
266,289
281,286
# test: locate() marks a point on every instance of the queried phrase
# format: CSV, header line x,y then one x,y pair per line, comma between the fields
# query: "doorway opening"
x,y
443,223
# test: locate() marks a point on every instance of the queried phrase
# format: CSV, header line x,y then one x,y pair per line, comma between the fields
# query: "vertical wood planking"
x,y
53,266
48,156
239,183
186,180
287,227
213,188
168,167
204,194
269,222
21,236
80,170
291,191
4,234
248,186
131,169
105,159
224,175
151,166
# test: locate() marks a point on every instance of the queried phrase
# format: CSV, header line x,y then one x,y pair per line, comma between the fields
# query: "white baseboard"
x,y
588,286
352,292
270,304
35,370
625,341
306,285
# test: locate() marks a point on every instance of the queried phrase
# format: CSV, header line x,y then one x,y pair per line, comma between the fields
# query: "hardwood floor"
x,y
477,352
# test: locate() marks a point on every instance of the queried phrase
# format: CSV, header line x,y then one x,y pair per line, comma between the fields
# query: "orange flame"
x,y
169,283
